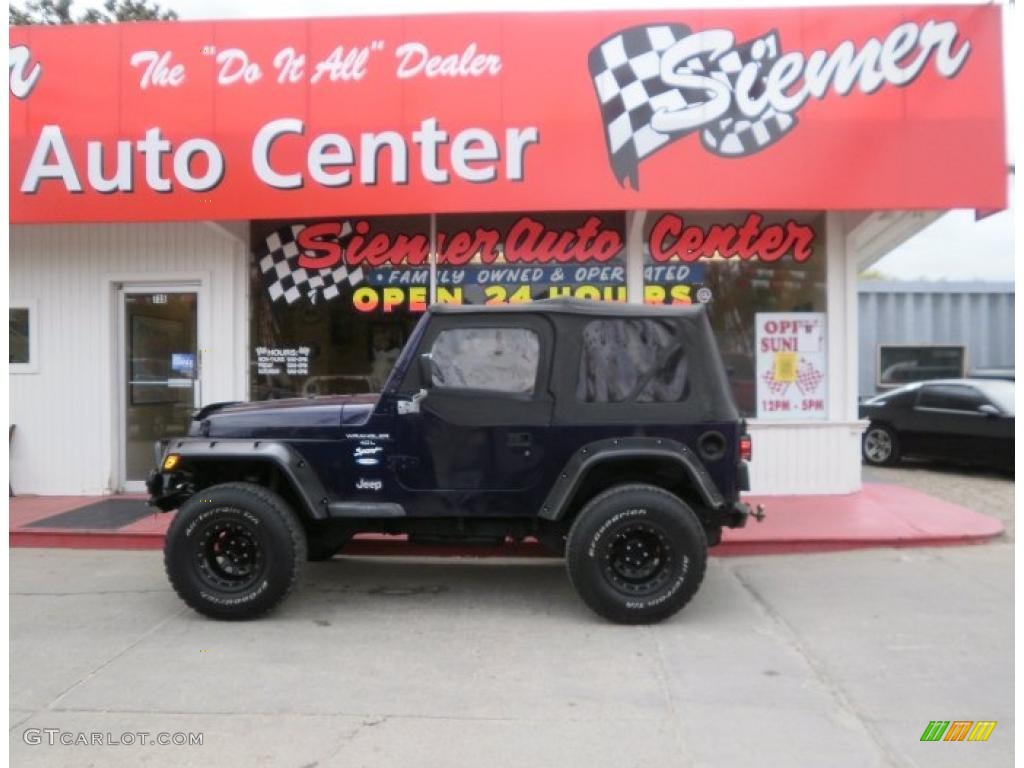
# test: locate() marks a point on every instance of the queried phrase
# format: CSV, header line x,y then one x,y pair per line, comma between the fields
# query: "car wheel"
x,y
636,554
879,446
233,551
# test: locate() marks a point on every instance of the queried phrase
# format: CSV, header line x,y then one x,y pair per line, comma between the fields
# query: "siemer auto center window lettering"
x,y
509,258
739,264
329,314
335,300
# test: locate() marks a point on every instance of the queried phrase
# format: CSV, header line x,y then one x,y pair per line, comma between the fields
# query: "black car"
x,y
605,431
959,420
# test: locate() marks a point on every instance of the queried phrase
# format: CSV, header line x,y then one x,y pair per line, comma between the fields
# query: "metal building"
x,y
901,321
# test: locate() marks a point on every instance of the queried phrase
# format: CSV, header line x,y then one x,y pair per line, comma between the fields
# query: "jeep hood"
x,y
305,417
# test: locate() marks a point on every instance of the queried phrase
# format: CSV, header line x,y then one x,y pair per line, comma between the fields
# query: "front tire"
x,y
879,446
233,551
636,554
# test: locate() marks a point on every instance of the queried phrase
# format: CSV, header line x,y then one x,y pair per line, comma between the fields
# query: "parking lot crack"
x,y
346,738
818,670
90,675
663,680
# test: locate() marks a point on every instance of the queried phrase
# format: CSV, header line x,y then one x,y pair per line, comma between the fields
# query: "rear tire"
x,y
233,551
636,554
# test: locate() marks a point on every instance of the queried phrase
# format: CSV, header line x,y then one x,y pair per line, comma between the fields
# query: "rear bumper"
x,y
738,513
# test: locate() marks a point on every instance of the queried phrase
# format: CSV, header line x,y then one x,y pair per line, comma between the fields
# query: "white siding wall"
x,y
67,412
806,457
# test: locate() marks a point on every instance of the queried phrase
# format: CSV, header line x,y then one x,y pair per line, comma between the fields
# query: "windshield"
x,y
1000,393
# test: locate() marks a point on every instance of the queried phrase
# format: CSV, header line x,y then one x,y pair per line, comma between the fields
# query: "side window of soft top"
x,y
641,361
495,359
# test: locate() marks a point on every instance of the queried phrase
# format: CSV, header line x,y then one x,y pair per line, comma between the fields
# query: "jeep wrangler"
x,y
605,431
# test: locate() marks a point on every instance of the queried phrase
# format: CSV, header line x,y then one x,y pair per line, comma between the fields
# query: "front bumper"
x,y
166,490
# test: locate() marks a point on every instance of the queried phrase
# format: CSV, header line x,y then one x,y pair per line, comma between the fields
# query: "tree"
x,y
59,12
873,274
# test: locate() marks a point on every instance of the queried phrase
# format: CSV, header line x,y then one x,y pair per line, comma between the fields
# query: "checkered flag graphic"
x,y
626,69
285,279
776,387
808,377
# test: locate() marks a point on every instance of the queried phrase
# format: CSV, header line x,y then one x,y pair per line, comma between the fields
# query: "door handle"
x,y
519,440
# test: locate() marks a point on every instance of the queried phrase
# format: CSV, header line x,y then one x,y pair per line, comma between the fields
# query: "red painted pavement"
x,y
880,515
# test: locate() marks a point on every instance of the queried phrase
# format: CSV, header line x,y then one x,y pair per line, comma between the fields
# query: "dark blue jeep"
x,y
605,431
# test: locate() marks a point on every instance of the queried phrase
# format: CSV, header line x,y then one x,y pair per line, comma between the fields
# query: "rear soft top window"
x,y
633,360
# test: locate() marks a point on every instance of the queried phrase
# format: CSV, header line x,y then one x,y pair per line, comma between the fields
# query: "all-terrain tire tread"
x,y
272,501
574,541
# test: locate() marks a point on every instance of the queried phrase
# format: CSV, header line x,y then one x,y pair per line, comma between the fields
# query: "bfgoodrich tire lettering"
x,y
636,554
233,551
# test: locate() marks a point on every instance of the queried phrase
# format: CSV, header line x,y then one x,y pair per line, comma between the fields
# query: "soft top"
x,y
574,307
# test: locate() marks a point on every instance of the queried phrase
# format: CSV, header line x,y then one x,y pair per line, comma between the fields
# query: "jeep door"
x,y
477,444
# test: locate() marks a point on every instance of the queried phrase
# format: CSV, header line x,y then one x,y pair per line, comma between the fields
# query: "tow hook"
x,y
758,513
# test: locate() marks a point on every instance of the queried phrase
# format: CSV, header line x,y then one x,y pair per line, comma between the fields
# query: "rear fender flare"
x,y
591,455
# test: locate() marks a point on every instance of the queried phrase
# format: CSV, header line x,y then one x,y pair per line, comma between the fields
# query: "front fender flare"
x,y
592,454
286,459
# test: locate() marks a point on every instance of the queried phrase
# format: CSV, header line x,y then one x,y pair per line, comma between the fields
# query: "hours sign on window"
x,y
791,371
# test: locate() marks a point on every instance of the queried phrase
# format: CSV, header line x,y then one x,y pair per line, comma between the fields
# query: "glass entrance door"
x,y
160,372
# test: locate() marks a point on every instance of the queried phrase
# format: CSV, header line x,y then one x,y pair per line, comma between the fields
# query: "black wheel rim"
x,y
229,556
638,558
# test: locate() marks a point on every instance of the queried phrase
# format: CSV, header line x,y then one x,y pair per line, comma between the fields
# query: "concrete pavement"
x,y
808,660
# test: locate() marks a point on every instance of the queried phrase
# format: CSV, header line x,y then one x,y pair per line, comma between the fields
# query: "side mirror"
x,y
426,362
989,410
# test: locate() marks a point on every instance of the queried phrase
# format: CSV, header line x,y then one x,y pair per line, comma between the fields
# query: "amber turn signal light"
x,y
171,461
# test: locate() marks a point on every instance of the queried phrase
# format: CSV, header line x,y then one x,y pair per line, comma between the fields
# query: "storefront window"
x,y
739,264
899,364
324,324
511,258
335,300
18,350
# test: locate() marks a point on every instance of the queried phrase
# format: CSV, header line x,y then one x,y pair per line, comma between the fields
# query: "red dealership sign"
x,y
825,108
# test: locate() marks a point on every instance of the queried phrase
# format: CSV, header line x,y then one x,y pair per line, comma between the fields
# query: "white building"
x,y
146,279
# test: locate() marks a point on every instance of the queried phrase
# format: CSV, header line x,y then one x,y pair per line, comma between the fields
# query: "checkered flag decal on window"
x,y
626,69
808,377
776,387
285,279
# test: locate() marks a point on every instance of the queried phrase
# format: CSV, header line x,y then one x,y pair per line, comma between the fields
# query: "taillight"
x,y
746,448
